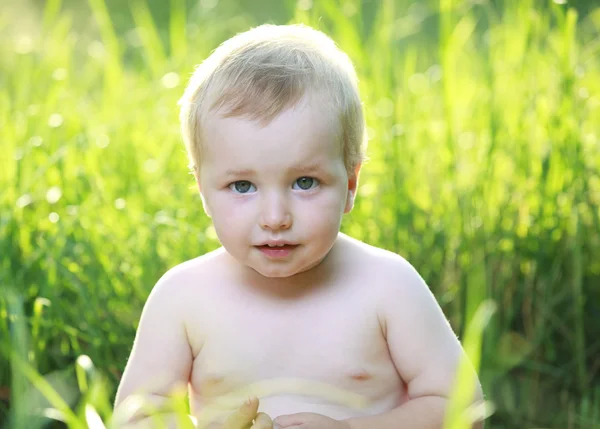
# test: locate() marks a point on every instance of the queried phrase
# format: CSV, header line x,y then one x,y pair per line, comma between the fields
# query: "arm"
x,y
423,412
424,350
161,359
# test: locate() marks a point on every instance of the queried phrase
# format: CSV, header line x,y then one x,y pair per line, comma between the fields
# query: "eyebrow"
x,y
243,172
300,169
307,169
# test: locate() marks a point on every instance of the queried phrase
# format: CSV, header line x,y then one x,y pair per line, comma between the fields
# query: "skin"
x,y
235,322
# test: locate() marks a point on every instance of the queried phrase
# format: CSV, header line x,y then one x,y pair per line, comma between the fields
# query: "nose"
x,y
275,213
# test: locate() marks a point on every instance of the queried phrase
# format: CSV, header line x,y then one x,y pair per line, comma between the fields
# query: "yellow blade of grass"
x,y
146,28
461,411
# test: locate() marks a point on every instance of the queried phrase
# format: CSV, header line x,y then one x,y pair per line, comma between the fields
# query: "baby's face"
x,y
284,183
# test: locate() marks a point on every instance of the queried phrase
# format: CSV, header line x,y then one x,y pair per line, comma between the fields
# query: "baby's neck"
x,y
296,286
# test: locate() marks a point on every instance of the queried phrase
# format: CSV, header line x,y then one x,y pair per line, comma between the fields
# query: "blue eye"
x,y
241,186
306,183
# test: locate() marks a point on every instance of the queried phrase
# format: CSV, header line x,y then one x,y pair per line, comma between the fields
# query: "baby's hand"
x,y
248,417
308,421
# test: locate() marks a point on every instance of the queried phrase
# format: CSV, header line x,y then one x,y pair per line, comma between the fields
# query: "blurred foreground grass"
x,y
485,154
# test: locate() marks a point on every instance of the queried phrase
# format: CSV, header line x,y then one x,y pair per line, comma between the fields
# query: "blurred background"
x,y
484,145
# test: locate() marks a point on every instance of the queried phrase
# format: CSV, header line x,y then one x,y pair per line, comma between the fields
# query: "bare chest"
x,y
327,353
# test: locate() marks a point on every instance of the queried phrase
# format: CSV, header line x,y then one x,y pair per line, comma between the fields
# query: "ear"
x,y
352,187
204,204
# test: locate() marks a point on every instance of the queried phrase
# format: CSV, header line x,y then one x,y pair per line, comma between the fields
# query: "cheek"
x,y
230,216
326,211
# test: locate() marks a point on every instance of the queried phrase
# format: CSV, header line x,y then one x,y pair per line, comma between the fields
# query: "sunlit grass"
x,y
484,173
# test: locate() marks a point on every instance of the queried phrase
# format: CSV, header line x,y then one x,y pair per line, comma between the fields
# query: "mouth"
x,y
277,250
277,245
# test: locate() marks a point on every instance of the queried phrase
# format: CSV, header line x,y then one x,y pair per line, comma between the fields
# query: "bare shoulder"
x,y
392,281
182,292
189,278
394,274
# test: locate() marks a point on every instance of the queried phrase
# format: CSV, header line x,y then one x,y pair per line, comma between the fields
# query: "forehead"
x,y
305,133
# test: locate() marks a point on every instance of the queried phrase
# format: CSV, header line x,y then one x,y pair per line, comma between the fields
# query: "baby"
x,y
318,330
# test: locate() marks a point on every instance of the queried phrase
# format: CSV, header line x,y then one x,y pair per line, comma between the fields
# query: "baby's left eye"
x,y
306,183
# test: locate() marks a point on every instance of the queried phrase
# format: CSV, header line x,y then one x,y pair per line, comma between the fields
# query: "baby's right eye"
x,y
242,187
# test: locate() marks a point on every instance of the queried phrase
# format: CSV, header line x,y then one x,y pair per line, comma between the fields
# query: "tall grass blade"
x,y
151,42
178,30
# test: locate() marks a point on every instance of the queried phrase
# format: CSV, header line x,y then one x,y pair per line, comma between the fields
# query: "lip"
x,y
277,243
277,252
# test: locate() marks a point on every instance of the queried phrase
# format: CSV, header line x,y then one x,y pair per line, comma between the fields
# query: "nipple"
x,y
360,375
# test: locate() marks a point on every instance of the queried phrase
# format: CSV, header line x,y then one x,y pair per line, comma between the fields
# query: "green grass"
x,y
485,154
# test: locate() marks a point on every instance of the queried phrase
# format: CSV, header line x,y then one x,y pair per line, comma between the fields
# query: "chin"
x,y
275,273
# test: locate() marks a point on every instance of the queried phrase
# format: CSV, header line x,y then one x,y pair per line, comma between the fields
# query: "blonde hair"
x,y
261,72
